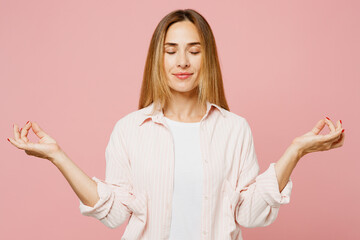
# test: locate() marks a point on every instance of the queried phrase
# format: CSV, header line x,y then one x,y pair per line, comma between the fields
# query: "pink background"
x,y
75,67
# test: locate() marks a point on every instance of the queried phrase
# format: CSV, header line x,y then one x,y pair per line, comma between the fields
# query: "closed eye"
x,y
194,53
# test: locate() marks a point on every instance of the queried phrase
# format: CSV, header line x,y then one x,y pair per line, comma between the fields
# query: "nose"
x,y
182,60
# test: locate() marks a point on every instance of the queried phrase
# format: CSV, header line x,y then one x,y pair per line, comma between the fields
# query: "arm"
x,y
111,201
84,187
256,199
286,165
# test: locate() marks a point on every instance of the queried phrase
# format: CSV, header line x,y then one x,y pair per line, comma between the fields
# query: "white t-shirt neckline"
x,y
182,123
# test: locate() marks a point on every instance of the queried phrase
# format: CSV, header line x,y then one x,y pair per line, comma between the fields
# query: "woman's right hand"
x,y
46,147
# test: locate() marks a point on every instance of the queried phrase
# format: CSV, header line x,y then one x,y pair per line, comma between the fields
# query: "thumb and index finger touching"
x,y
20,136
335,132
37,130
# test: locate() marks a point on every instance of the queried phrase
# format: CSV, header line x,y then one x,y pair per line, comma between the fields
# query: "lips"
x,y
183,75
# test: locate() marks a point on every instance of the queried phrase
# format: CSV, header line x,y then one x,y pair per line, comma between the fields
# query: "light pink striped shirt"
x,y
140,172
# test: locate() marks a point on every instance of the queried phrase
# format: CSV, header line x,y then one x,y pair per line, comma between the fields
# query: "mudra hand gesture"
x,y
46,147
313,141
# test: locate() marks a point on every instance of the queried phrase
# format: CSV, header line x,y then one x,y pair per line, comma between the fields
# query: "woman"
x,y
182,166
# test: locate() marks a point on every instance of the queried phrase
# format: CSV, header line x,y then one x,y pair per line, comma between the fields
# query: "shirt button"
x,y
206,161
206,197
204,232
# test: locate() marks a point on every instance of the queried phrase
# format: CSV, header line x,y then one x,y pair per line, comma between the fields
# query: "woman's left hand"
x,y
313,142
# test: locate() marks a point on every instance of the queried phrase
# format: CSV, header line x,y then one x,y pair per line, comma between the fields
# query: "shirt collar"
x,y
158,116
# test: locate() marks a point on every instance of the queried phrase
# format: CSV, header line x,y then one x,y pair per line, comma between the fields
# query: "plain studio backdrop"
x,y
76,67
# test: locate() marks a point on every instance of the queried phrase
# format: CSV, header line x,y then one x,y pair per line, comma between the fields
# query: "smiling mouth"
x,y
183,76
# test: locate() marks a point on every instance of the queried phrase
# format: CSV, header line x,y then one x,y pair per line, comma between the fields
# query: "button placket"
x,y
206,161
161,120
205,178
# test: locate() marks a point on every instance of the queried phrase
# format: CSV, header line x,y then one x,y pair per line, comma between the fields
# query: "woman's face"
x,y
182,54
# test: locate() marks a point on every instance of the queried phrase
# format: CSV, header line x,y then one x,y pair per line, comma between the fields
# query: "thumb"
x,y
319,126
37,130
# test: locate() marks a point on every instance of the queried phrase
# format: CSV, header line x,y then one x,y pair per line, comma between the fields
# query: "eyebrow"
x,y
175,44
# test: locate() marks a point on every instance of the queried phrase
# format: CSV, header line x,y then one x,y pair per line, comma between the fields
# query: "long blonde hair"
x,y
154,86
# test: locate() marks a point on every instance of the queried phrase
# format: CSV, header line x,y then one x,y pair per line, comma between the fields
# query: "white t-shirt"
x,y
186,206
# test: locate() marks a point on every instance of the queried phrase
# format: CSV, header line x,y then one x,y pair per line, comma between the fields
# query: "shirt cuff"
x,y
99,209
268,187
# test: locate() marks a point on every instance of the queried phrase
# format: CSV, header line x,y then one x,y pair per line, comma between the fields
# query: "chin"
x,y
183,89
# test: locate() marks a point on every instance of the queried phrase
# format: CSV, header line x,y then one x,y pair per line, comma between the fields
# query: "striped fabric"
x,y
138,185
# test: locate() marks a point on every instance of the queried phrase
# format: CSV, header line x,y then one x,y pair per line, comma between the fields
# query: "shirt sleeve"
x,y
118,199
256,198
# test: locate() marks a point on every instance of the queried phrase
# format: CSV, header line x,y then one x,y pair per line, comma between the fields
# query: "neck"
x,y
184,107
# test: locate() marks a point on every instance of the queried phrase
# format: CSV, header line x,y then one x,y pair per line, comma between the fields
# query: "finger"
x,y
37,130
24,132
18,144
340,142
333,136
16,132
337,139
339,128
330,124
341,138
13,142
318,127
338,125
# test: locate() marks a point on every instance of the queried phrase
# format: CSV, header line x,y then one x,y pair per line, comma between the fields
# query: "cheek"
x,y
197,63
168,63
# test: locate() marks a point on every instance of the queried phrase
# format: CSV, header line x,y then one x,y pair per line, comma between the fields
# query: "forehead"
x,y
182,33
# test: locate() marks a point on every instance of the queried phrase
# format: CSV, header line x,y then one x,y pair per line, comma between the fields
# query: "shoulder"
x,y
240,130
236,121
129,121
